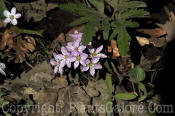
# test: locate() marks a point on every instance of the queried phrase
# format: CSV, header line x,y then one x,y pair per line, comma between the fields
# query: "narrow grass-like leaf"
x,y
125,96
109,83
109,108
33,32
107,66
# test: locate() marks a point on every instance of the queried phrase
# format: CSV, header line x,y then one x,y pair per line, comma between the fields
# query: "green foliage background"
x,y
112,26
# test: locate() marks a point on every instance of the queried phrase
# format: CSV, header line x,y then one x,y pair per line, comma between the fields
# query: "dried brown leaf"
x,y
157,32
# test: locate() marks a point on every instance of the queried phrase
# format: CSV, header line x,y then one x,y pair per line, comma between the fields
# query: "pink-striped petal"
x,y
76,64
81,48
99,49
62,63
55,69
95,60
61,70
13,11
97,66
18,15
84,68
53,62
64,51
102,55
92,71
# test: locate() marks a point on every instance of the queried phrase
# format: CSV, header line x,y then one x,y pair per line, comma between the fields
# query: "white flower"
x,y
11,16
2,67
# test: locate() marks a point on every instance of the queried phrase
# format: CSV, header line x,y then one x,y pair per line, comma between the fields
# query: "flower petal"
x,y
18,15
81,48
61,70
14,21
95,60
99,49
92,71
83,56
76,64
64,51
102,55
84,68
13,11
68,63
55,69
53,62
72,59
62,63
7,20
6,13
87,61
91,50
97,66
76,44
83,62
2,66
58,56
75,53
2,72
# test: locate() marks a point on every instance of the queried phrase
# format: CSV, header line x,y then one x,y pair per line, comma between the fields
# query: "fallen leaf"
x,y
157,32
142,41
12,41
113,48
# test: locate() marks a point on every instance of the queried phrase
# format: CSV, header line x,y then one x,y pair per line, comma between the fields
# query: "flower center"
x,y
66,56
76,49
78,58
91,64
12,17
94,54
58,63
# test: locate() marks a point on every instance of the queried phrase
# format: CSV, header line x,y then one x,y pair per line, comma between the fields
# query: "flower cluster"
x,y
74,53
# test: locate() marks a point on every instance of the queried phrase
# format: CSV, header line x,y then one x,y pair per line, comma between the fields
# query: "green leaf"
x,y
132,4
109,108
142,87
99,4
2,8
137,74
1,93
107,66
109,83
89,32
133,13
123,41
130,24
114,33
7,114
77,8
113,3
38,32
3,103
106,32
125,96
79,21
